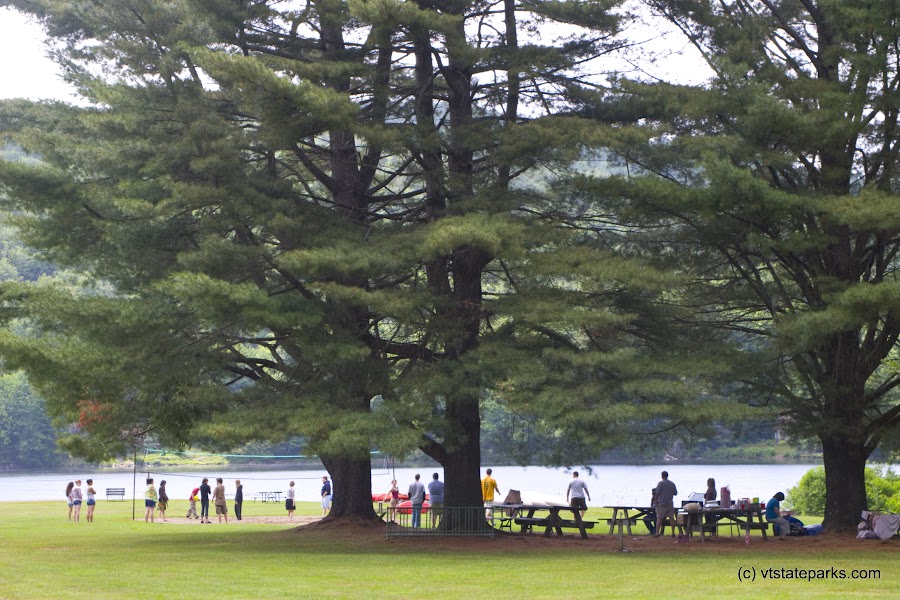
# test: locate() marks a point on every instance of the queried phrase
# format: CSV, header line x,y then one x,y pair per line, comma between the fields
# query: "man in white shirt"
x,y
576,493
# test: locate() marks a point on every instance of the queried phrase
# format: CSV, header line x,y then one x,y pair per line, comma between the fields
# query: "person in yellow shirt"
x,y
488,487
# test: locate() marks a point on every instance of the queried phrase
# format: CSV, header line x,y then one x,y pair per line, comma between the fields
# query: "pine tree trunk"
x,y
845,486
462,459
352,487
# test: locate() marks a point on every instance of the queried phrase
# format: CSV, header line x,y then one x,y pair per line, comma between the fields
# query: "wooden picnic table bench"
x,y
115,492
628,516
553,521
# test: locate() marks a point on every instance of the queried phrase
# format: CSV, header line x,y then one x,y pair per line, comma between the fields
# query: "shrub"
x,y
882,491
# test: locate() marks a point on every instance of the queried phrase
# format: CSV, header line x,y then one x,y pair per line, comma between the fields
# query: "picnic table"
x,y
628,515
269,496
711,518
525,516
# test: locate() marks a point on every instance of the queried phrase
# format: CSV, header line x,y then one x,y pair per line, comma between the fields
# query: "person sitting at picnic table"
x,y
665,505
773,515
710,494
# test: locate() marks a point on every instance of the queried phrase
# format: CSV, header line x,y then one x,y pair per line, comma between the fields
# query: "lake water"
x,y
608,484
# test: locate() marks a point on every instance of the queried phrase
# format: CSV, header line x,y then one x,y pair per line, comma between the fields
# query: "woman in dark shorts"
x,y
289,502
150,501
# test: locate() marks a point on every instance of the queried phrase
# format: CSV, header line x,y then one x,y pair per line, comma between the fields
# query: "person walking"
x,y
435,498
91,500
488,488
417,498
289,502
205,491
150,501
576,493
326,496
219,500
238,499
163,503
192,499
665,505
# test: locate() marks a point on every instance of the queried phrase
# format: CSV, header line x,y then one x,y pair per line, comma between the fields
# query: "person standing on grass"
x,y
417,498
238,499
76,501
289,502
69,487
665,504
219,500
163,501
91,500
773,515
394,496
205,491
326,496
150,501
435,498
576,493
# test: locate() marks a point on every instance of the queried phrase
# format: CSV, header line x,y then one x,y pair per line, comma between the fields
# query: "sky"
x,y
25,70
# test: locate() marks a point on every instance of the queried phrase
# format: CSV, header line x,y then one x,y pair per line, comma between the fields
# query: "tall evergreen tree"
x,y
300,209
782,171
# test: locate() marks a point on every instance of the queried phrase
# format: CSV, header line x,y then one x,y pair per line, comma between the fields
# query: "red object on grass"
x,y
386,497
405,508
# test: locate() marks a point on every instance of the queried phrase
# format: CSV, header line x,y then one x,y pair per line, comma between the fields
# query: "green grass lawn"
x,y
43,556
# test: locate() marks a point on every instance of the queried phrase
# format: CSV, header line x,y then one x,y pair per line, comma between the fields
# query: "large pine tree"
x,y
781,172
292,211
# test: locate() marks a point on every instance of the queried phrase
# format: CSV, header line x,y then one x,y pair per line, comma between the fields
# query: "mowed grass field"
x,y
44,556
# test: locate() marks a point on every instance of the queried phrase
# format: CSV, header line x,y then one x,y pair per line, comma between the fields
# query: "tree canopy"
x,y
782,172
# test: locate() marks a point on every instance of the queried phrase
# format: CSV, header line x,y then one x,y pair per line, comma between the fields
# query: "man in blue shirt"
x,y
326,496
436,498
416,495
773,515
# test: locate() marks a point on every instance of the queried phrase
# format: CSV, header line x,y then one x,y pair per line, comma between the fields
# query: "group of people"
x,y
75,497
663,500
158,500
417,497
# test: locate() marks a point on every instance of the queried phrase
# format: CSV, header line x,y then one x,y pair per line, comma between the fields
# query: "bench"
x,y
115,492
573,523
528,523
